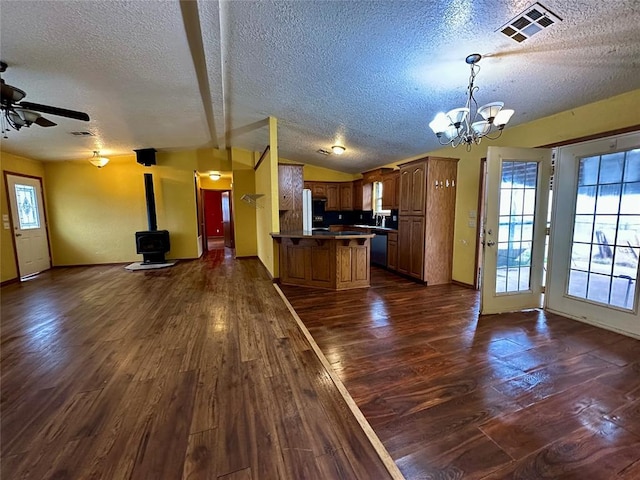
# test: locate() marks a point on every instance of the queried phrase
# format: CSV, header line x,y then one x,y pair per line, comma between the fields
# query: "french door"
x,y
516,199
29,227
595,234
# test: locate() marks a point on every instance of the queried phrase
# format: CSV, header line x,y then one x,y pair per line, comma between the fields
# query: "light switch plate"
x,y
6,225
5,217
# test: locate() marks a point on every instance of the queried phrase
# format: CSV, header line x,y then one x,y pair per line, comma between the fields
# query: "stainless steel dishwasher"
x,y
379,249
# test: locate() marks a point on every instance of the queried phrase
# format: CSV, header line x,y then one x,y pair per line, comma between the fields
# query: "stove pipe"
x,y
151,202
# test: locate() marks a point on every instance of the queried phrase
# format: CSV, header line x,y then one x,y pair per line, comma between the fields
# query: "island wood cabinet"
x,y
333,262
426,219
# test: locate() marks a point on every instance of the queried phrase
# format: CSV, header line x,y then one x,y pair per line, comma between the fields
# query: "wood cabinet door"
x,y
404,244
417,189
392,251
346,196
357,195
405,191
396,191
333,197
416,262
388,191
287,183
319,190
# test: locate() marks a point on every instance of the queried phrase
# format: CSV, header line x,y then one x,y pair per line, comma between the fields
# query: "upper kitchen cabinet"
x,y
362,196
290,185
375,175
333,197
413,188
391,190
346,196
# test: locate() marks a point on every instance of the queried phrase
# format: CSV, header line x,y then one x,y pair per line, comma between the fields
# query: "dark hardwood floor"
x,y
195,371
453,396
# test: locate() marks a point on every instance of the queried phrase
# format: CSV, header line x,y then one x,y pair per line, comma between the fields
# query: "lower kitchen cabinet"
x,y
411,246
392,251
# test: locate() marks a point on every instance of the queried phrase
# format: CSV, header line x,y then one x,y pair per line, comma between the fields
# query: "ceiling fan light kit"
x,y
97,160
468,125
14,115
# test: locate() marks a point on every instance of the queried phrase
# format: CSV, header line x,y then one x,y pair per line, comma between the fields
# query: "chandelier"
x,y
463,125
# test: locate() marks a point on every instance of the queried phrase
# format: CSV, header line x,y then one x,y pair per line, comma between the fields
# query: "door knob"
x,y
18,234
490,243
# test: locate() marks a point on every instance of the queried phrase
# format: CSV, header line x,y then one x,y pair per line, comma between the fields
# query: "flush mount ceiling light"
x,y
214,176
338,149
461,125
97,160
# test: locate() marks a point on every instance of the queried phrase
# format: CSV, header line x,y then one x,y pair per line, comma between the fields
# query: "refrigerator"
x,y
307,215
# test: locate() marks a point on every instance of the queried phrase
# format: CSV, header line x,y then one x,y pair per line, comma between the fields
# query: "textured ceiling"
x,y
367,74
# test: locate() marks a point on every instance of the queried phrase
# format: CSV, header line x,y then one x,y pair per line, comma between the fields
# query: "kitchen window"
x,y
377,200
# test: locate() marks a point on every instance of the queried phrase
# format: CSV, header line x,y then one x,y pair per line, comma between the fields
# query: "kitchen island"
x,y
323,259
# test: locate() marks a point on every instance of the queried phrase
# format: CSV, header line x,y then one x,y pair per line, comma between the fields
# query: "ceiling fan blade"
x,y
44,122
61,112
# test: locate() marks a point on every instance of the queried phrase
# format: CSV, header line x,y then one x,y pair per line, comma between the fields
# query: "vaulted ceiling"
x,y
366,74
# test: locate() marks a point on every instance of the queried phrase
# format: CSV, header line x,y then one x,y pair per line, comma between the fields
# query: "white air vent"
x,y
322,151
532,20
82,134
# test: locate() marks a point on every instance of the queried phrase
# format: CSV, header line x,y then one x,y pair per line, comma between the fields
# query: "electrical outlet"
x,y
6,225
395,218
472,214
339,216
472,224
5,217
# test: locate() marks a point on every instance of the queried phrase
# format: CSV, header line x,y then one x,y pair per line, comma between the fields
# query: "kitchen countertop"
x,y
322,234
372,227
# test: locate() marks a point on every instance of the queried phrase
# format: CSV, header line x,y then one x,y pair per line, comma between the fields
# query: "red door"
x,y
213,213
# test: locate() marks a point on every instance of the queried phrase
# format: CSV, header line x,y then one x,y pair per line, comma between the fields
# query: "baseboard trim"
x,y
9,282
380,449
462,284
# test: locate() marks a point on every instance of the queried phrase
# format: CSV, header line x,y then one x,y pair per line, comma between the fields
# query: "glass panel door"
x,y
517,189
595,239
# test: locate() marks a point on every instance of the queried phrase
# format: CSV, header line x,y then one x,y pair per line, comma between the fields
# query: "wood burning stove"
x,y
153,244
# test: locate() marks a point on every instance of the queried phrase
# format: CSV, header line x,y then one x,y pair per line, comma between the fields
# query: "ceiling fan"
x,y
17,114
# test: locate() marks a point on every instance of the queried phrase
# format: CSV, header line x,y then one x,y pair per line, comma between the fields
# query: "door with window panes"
x,y
595,235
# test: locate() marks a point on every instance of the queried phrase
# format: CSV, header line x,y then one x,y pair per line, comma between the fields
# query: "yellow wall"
x,y
244,214
312,173
611,114
96,212
14,164
223,184
267,219
212,159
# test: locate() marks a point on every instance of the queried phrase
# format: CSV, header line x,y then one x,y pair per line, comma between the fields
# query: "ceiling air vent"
x,y
531,21
322,151
82,134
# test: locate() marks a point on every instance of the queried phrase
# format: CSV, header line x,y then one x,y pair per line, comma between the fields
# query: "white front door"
x,y
29,228
516,198
595,237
